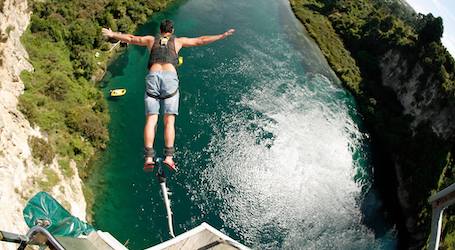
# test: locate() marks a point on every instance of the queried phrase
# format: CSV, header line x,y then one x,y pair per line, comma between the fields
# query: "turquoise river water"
x,y
270,147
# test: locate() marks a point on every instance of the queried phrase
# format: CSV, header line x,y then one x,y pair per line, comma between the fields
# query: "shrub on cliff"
x,y
429,28
41,150
86,122
58,86
49,181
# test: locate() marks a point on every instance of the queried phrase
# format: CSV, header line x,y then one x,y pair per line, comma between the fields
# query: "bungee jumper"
x,y
162,84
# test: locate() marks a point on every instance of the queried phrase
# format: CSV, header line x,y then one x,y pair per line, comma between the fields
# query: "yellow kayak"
x,y
117,92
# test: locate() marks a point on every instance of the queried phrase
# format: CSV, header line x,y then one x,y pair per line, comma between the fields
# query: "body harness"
x,y
163,51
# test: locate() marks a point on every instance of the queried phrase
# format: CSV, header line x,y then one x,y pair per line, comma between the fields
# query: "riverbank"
x,y
402,78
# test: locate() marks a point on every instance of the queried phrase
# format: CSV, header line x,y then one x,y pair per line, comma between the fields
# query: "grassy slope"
x,y
331,45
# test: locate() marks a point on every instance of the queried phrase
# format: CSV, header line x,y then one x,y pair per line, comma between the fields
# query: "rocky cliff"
x,y
21,176
419,134
420,95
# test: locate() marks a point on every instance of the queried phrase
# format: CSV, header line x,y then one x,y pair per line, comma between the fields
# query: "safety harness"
x,y
159,97
163,51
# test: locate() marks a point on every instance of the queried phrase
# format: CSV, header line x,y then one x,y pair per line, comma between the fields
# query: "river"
x,y
270,147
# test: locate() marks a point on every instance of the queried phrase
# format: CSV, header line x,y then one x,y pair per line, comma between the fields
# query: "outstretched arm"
x,y
203,40
128,38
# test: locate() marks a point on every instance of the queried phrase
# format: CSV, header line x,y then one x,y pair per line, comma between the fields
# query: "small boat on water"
x,y
117,92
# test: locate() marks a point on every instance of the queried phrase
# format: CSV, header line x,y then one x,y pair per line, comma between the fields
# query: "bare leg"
x,y
169,135
149,133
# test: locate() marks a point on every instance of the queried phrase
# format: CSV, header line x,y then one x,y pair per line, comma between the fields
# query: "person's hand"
x,y
229,32
107,32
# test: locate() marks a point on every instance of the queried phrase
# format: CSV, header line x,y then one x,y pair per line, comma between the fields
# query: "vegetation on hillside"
x,y
69,55
354,36
355,33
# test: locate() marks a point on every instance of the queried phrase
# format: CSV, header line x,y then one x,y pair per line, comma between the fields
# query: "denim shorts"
x,y
161,83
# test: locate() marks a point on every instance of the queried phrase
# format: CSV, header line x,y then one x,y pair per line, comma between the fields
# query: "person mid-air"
x,y
162,83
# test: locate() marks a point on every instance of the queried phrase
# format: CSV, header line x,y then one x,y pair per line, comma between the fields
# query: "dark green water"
x,y
270,148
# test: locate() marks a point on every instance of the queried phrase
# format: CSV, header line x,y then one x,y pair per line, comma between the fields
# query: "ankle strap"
x,y
149,152
169,151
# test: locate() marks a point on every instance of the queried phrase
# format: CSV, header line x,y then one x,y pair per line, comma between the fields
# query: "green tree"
x,y
58,86
83,33
431,30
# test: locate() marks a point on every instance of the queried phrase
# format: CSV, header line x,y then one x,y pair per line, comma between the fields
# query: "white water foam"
x,y
284,172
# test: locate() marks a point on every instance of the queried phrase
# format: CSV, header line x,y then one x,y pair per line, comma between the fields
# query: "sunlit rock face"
x,y
19,173
425,100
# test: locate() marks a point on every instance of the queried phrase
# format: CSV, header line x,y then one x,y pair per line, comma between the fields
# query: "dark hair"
x,y
166,26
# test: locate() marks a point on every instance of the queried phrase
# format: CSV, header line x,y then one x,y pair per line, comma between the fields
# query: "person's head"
x,y
166,26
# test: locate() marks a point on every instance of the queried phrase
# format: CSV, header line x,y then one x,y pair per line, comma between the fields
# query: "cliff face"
x,y
418,132
20,175
421,96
